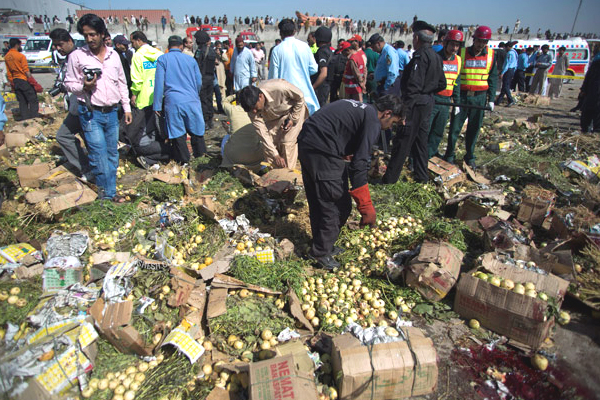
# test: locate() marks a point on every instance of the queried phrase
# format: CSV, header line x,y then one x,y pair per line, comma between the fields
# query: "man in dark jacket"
x,y
320,80
205,57
125,54
590,99
340,131
335,70
422,77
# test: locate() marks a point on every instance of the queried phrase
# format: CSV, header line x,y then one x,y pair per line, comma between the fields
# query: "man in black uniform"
x,y
205,57
422,77
345,129
320,80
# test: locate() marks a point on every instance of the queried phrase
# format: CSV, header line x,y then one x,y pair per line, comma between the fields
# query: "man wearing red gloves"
x,y
334,146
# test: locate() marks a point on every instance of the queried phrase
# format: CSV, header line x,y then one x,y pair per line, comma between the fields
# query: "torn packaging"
x,y
521,318
435,270
30,175
536,205
445,172
385,371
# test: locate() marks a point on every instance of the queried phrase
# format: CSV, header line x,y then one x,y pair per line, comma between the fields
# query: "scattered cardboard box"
x,y
47,110
448,174
16,139
536,205
62,197
385,371
220,285
113,322
522,319
281,378
435,270
30,175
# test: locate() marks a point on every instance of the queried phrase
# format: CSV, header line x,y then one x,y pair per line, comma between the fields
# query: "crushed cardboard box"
x,y
447,174
536,205
385,371
113,322
503,235
434,271
281,378
65,196
31,175
523,319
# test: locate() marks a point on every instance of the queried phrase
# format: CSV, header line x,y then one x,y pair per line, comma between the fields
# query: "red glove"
x,y
362,197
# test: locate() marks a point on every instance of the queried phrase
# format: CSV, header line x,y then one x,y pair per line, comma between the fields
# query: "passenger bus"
x,y
577,49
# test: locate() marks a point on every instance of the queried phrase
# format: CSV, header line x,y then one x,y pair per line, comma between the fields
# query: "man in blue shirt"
x,y
293,61
530,69
522,65
178,83
386,71
403,58
507,73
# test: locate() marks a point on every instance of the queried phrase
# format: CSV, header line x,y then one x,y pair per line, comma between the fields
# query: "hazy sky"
x,y
557,15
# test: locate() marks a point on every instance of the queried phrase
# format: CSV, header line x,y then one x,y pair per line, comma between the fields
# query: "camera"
x,y
58,88
90,73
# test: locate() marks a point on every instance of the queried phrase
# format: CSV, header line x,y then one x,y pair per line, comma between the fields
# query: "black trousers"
x,y
519,80
528,79
180,151
506,82
590,120
206,97
28,101
326,184
322,93
334,89
156,152
412,140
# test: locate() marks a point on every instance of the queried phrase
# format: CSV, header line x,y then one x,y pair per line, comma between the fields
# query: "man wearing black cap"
x,y
323,55
206,57
122,48
423,76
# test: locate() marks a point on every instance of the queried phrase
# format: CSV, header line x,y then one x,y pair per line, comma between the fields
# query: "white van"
x,y
38,52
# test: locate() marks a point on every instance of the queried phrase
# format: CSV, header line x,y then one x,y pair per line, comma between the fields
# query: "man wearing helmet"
x,y
439,116
478,78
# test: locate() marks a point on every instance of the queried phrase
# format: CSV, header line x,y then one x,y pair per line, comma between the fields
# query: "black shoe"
x,y
210,125
471,163
142,161
337,250
326,262
512,103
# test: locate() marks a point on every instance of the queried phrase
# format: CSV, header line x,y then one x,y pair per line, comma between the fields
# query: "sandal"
x,y
118,199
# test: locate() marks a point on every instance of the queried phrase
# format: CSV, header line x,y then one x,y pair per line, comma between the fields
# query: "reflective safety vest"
x,y
451,70
475,70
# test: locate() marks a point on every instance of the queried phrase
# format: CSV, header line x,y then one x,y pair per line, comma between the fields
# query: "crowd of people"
x,y
322,105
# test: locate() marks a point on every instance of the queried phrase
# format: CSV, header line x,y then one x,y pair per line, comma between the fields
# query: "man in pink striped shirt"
x,y
95,75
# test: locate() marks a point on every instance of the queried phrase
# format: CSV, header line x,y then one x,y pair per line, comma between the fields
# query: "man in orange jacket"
x,y
17,72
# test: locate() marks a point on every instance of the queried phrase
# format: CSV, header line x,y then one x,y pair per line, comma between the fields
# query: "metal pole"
x,y
576,15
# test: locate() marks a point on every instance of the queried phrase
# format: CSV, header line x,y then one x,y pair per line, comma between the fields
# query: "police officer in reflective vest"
x,y
439,116
478,78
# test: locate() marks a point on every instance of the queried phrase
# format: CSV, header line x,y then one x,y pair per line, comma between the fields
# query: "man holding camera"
x,y
95,75
65,136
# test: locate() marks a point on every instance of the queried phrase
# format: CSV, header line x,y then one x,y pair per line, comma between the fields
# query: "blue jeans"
x,y
101,132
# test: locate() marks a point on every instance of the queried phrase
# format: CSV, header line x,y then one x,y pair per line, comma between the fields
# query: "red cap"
x,y
454,35
483,32
356,37
344,46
